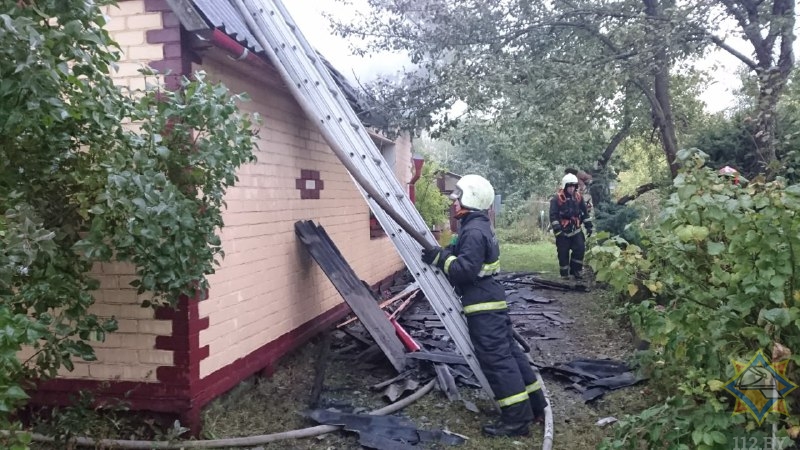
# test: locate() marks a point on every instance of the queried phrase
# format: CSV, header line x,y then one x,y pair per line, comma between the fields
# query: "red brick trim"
x,y
177,58
156,397
181,393
184,343
309,184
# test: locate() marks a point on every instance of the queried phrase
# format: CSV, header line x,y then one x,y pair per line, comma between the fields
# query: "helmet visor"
x,y
456,194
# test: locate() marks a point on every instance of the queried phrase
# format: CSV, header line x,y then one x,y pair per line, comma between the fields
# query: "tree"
x,y
549,75
90,174
768,26
562,70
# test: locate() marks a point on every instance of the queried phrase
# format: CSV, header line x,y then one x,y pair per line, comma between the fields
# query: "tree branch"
x,y
750,25
619,136
639,191
787,20
721,44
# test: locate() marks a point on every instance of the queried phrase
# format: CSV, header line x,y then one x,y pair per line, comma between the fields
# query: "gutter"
x,y
237,51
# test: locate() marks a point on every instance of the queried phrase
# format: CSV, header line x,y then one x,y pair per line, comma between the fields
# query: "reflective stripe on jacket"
x,y
485,307
475,258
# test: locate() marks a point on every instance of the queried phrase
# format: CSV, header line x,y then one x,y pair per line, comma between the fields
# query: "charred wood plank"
x,y
446,382
440,357
352,289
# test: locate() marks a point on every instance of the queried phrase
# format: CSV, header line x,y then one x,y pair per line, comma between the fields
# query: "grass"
x,y
539,257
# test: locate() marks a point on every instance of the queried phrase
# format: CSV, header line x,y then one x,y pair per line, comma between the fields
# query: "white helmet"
x,y
569,179
474,192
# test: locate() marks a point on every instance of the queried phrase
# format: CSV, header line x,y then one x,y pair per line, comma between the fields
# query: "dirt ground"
x,y
276,404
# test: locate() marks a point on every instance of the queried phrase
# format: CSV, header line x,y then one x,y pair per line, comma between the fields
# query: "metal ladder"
x,y
322,100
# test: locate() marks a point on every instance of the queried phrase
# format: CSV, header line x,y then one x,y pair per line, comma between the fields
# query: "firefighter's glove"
x,y
435,256
589,232
557,229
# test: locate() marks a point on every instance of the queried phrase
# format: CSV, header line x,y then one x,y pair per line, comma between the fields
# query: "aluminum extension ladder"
x,y
322,100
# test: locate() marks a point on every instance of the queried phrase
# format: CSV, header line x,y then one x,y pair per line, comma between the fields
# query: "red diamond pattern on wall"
x,y
309,184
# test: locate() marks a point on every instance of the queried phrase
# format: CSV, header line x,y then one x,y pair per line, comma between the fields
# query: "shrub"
x,y
724,265
79,185
432,205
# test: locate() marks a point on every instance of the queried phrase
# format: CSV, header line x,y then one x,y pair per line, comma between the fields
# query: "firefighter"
x,y
730,172
470,265
584,180
568,214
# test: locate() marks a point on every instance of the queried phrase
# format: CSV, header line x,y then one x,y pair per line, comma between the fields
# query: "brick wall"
x,y
129,23
130,353
268,284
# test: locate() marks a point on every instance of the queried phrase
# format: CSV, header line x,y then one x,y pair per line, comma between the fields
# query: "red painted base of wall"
x,y
161,397
186,399
264,358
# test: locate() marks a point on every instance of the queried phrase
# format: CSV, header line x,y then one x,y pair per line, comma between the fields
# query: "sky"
x,y
309,16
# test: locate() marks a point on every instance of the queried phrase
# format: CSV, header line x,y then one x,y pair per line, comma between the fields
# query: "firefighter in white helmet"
x,y
568,214
470,265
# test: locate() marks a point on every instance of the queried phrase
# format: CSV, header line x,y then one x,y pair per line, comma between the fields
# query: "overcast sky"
x,y
308,14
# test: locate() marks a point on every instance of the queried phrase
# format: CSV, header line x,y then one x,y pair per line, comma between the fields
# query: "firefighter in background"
x,y
568,214
730,172
470,265
584,180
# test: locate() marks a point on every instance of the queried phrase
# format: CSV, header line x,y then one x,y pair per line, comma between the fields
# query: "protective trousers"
x,y
570,253
506,368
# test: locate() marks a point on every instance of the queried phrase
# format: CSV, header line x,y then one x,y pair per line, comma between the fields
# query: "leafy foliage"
x,y
430,202
720,279
617,220
90,174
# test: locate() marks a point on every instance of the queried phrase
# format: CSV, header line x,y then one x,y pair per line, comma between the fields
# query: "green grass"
x,y
539,257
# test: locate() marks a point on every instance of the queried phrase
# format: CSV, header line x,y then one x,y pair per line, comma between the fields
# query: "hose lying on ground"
x,y
547,441
234,442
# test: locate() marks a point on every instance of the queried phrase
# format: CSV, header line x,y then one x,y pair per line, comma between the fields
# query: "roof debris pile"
x,y
592,378
385,432
535,317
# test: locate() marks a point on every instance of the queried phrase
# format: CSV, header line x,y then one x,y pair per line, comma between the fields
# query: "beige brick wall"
x,y
268,284
128,354
128,24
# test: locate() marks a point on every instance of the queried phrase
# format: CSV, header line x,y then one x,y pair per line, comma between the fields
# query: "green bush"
x,y
522,232
524,224
80,186
432,205
618,220
721,279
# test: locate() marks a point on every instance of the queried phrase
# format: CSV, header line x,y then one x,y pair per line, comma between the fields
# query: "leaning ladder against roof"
x,y
320,98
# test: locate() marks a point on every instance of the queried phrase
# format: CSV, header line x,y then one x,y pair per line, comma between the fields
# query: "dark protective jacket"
x,y
569,213
475,258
